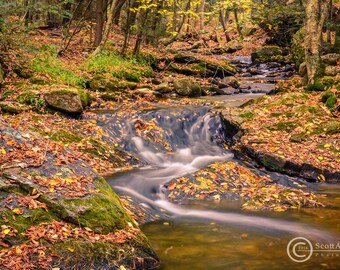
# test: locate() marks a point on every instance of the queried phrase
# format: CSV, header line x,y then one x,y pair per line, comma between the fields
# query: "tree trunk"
x,y
238,27
316,13
118,9
223,23
99,22
107,29
201,14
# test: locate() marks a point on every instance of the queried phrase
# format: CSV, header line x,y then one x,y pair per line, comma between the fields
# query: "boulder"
x,y
144,92
331,59
201,67
187,87
332,70
266,54
103,84
12,107
64,99
229,81
163,88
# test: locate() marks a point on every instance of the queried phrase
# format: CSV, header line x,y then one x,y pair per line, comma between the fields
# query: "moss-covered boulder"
x,y
65,99
63,216
12,107
266,54
163,88
187,87
104,84
192,65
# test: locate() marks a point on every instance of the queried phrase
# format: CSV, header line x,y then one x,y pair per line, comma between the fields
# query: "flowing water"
x,y
212,235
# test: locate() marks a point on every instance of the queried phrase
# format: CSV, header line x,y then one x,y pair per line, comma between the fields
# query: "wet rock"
x,y
64,99
186,59
266,88
144,92
288,68
163,88
233,49
266,54
227,91
245,75
12,107
229,81
332,70
331,59
187,87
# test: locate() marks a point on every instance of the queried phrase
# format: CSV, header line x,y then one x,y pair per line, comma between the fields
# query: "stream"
x,y
212,234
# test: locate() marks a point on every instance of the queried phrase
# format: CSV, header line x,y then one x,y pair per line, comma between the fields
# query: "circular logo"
x,y
299,249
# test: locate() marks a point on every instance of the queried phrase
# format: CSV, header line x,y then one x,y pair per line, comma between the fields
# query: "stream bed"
x,y
212,234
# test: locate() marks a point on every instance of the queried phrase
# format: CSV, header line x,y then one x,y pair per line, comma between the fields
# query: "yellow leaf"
x,y
3,151
327,145
320,158
5,232
70,249
322,178
18,211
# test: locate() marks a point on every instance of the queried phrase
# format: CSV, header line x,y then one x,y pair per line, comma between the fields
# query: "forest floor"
x,y
292,130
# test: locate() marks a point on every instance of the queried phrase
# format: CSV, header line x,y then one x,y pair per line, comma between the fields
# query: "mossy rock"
x,y
65,99
187,87
297,138
85,97
266,54
103,84
12,107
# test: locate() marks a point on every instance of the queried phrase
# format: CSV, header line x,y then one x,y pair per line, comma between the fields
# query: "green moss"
x,y
102,211
6,94
31,98
297,138
284,126
85,97
30,217
65,137
117,66
330,103
247,115
317,86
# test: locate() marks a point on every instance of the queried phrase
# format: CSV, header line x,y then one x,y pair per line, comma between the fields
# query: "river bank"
x,y
63,129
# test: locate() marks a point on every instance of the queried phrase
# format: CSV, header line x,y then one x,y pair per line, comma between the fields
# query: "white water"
x,y
146,184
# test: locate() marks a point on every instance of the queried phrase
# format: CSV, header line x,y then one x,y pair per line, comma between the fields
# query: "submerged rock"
x,y
187,87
